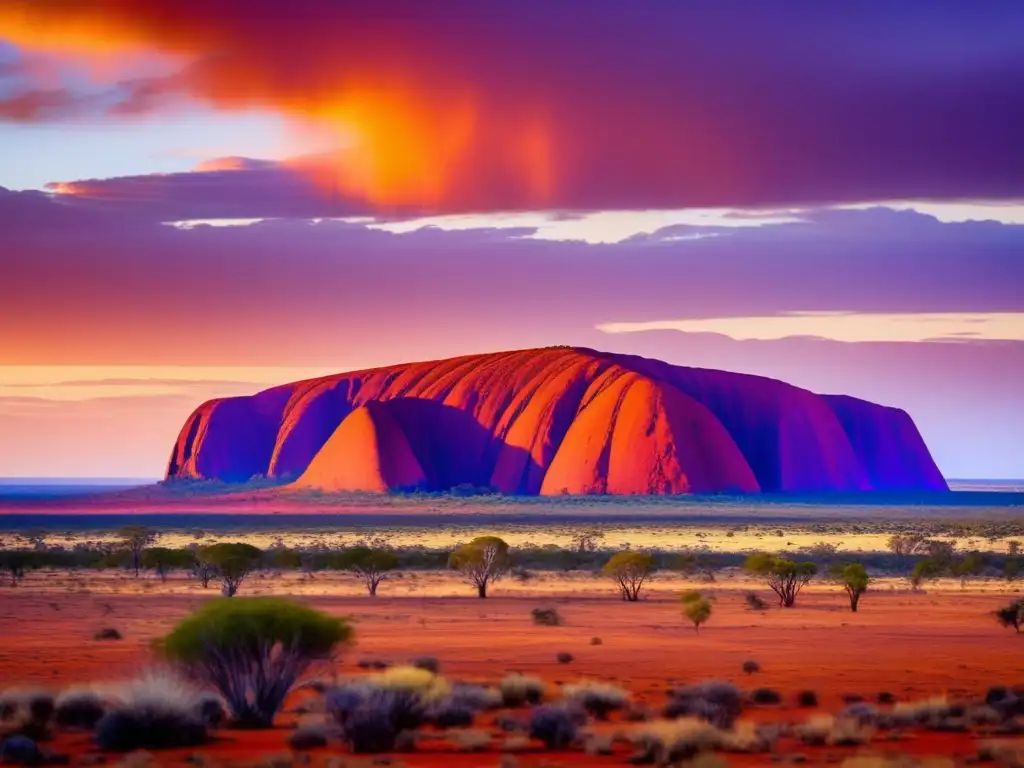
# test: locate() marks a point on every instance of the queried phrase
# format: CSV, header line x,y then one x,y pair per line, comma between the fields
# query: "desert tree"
x,y
161,560
1013,566
369,563
853,578
17,562
1012,615
783,576
253,650
202,569
586,540
483,561
233,561
135,538
967,567
905,543
926,570
696,608
629,570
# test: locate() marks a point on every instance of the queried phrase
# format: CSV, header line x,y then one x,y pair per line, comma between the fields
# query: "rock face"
x,y
553,421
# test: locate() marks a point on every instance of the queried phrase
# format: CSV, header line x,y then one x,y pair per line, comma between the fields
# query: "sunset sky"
x,y
201,199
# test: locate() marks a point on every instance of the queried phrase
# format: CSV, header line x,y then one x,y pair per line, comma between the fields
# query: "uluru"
x,y
554,421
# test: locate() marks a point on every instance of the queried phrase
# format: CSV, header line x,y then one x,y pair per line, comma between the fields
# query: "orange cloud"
x,y
405,136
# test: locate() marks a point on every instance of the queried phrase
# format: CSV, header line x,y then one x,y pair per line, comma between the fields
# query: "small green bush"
x,y
253,650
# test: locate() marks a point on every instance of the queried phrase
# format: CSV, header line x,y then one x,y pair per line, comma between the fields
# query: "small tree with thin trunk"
x,y
629,570
969,566
233,561
136,538
784,577
586,540
368,563
696,608
483,561
1012,615
202,569
164,559
926,570
853,577
905,543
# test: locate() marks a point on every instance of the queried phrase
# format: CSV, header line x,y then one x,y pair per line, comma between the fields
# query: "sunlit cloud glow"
x,y
847,326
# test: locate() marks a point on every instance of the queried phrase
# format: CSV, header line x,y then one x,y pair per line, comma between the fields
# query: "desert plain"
x,y
912,645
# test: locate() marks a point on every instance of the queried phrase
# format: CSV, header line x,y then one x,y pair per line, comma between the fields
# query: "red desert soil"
x,y
912,645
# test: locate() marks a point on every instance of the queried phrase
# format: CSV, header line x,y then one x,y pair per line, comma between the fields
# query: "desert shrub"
x,y
926,570
784,577
517,690
696,608
597,699
554,726
426,685
31,704
374,712
677,742
149,726
719,703
861,711
377,664
78,708
211,709
253,650
233,561
750,667
370,563
483,561
475,697
155,711
1006,701
308,736
107,633
1011,615
429,663
451,714
826,730
376,724
629,570
754,602
807,699
885,697
853,578
547,617
765,696
923,712
596,641
20,750
564,657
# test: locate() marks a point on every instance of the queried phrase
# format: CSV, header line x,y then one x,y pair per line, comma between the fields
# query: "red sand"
x,y
913,645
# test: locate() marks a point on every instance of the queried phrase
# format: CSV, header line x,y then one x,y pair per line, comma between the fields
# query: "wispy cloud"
x,y
846,326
